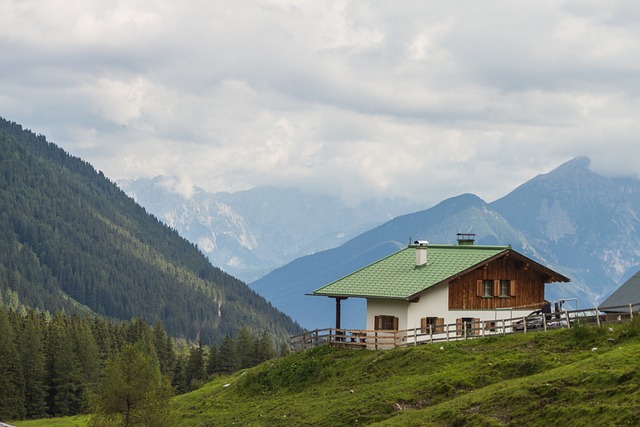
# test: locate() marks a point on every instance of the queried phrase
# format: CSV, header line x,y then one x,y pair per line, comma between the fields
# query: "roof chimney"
x,y
466,239
421,252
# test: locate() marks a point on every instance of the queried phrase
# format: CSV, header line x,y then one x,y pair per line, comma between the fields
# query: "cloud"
x,y
363,99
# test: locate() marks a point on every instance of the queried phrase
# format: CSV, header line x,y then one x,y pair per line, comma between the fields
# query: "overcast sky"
x,y
419,99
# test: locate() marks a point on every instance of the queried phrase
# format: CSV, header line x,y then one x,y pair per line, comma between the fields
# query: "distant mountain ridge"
x,y
250,233
573,220
71,240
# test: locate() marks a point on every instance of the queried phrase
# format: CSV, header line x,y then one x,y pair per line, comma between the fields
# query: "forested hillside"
x,y
71,240
55,365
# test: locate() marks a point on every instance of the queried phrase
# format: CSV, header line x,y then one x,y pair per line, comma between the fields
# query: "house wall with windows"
x,y
502,289
377,308
503,283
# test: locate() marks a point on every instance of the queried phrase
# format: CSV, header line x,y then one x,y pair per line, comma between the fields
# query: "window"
x,y
386,323
505,288
487,288
490,326
435,323
467,326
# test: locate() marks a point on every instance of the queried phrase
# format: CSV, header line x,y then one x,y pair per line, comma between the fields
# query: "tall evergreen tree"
x,y
245,348
265,349
196,371
133,392
213,360
33,361
64,376
179,381
12,386
88,356
164,349
228,359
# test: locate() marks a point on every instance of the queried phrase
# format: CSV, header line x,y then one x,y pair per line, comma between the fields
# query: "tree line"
x,y
54,365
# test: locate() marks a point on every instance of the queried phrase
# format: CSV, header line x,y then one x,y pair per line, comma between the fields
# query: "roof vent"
x,y
421,252
466,239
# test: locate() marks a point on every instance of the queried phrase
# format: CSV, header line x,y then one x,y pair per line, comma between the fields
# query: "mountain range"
x,y
250,233
71,240
571,219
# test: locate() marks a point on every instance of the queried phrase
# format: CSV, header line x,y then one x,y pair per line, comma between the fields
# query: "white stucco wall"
x,y
385,307
433,302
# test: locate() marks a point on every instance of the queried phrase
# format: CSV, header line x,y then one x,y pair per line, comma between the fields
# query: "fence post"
x,y
504,327
566,314
630,312
415,337
431,333
447,333
598,316
544,321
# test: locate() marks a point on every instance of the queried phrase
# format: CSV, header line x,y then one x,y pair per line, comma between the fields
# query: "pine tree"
x,y
228,360
245,348
33,360
88,356
133,392
179,381
264,348
213,360
195,370
12,385
285,350
63,367
164,349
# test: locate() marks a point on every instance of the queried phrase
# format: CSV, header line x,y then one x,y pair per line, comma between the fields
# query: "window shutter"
x,y
423,324
440,324
513,287
459,330
376,323
395,323
496,288
476,325
479,288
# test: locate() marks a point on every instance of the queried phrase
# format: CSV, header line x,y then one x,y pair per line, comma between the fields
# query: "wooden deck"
x,y
384,339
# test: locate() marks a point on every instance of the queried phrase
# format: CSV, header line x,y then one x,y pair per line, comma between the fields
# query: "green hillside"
x,y
553,378
71,240
585,376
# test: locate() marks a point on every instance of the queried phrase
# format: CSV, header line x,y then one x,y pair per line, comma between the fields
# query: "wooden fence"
x,y
387,339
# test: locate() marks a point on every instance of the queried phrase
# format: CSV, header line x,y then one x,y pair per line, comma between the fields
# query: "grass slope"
x,y
535,379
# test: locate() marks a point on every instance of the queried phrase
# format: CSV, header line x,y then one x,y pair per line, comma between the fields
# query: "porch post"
x,y
338,313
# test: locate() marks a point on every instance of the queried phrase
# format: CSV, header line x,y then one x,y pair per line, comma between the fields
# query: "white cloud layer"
x,y
424,100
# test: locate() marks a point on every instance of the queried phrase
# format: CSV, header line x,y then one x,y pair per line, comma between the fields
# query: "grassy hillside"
x,y
71,240
537,379
583,376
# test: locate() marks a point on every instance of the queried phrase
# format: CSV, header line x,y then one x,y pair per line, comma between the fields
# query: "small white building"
x,y
463,284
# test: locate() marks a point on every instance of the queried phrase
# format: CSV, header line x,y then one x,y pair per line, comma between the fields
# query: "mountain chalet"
x,y
429,286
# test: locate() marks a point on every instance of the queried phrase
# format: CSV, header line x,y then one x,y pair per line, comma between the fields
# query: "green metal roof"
x,y
397,276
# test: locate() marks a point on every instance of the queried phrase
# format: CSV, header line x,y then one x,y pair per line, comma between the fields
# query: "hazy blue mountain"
x,y
571,219
250,233
581,221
